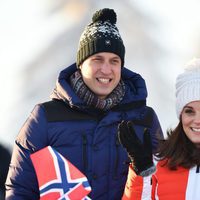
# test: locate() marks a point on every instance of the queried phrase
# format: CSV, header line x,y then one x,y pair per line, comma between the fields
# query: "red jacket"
x,y
165,184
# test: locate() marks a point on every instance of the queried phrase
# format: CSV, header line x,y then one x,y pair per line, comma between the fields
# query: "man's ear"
x,y
80,67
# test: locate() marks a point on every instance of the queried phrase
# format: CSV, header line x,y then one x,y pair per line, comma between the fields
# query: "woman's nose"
x,y
197,119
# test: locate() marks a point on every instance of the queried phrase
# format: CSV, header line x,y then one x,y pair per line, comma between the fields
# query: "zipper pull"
x,y
197,170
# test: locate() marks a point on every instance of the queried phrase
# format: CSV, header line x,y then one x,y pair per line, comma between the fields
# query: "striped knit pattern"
x,y
91,99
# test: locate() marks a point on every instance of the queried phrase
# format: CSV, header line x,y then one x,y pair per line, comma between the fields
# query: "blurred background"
x,y
38,38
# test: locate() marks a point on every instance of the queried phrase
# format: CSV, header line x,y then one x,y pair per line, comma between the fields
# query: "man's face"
x,y
101,72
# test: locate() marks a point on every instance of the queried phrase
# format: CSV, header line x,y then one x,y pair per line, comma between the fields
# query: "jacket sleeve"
x,y
21,183
137,187
156,131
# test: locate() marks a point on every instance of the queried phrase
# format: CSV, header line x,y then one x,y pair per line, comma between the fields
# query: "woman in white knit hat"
x,y
176,175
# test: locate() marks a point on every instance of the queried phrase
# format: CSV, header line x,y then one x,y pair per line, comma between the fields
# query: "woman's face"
x,y
190,117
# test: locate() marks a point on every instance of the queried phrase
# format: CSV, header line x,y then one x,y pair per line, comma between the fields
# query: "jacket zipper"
x,y
84,152
117,144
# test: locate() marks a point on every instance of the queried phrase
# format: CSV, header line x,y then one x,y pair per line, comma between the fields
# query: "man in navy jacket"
x,y
91,97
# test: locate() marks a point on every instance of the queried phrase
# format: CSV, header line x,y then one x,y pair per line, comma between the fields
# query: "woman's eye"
x,y
189,111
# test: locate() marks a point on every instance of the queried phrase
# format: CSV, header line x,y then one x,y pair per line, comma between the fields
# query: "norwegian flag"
x,y
58,179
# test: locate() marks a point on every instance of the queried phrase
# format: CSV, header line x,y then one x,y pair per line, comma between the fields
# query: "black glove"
x,y
139,153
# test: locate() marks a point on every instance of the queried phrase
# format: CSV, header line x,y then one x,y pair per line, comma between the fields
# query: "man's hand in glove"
x,y
139,153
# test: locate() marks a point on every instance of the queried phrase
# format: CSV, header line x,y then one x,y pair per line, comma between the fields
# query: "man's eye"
x,y
115,61
97,59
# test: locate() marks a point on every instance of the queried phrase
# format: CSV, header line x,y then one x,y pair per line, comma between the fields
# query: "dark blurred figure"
x,y
5,157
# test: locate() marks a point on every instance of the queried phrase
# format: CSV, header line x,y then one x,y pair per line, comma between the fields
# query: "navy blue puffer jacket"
x,y
91,144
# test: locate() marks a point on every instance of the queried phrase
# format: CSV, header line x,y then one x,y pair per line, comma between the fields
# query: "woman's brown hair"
x,y
178,150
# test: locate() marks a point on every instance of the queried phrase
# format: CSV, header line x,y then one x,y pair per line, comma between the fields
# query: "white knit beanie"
x,y
188,85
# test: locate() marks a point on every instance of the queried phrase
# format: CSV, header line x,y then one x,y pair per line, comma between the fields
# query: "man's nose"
x,y
106,68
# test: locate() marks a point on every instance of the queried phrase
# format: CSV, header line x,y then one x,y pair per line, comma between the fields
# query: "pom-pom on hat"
x,y
101,35
188,85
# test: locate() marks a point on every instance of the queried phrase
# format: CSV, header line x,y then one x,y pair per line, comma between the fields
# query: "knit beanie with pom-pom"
x,y
101,35
188,85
